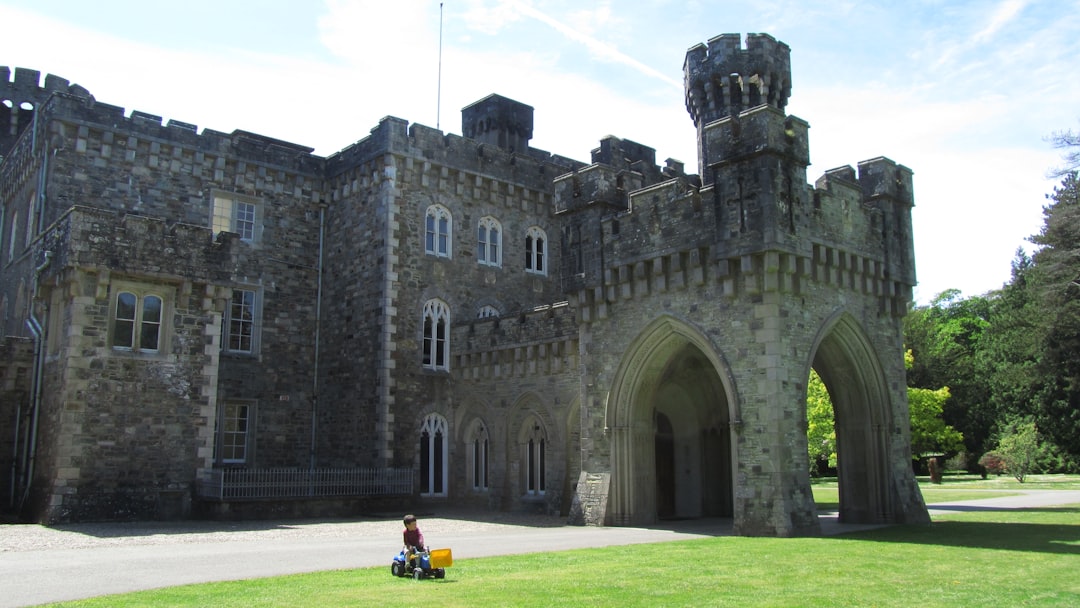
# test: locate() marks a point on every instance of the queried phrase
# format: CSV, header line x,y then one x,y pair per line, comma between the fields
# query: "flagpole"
x,y
438,94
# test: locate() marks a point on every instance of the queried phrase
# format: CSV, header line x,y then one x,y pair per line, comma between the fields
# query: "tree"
x,y
821,428
1019,449
1055,284
1070,141
945,338
929,433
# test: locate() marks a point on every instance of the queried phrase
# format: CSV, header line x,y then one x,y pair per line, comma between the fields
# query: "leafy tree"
x,y
945,338
821,428
929,433
1019,449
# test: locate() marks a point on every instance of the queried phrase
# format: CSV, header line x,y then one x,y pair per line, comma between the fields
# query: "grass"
x,y
989,558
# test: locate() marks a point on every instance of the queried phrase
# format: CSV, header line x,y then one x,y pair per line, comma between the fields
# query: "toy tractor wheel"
x,y
417,574
440,573
397,569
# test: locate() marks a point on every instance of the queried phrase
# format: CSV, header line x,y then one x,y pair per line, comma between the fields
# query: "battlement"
x,y
27,88
725,78
20,99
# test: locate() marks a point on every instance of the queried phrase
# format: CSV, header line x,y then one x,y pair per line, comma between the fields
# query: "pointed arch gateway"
x,y
852,372
670,418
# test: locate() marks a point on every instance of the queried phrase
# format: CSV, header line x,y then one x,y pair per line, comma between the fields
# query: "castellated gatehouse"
x,y
211,324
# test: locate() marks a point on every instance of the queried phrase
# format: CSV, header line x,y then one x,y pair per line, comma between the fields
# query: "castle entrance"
x,y
852,373
671,431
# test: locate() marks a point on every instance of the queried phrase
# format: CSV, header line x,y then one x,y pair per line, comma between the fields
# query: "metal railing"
x,y
256,484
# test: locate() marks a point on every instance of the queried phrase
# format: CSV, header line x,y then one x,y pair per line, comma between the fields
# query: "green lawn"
x,y
990,558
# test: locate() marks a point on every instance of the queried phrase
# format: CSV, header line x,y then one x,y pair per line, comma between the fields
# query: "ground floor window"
x,y
433,452
535,445
479,457
234,432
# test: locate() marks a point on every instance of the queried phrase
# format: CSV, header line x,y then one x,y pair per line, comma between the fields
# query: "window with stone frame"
x,y
486,311
234,437
479,443
138,315
433,456
536,251
235,213
534,469
436,340
438,231
489,242
241,327
12,234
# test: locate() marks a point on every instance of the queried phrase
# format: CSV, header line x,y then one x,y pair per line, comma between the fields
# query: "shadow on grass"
x,y
1062,539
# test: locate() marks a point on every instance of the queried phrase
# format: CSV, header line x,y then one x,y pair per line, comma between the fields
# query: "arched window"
x,y
433,432
438,231
137,322
489,242
436,335
478,457
536,251
486,311
535,457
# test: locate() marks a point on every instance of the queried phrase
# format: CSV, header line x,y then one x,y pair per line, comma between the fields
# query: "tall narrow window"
x,y
489,242
241,322
433,452
535,459
233,214
437,231
536,251
137,322
234,432
479,457
11,236
436,347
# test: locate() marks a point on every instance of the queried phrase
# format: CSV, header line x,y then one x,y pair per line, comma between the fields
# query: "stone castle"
x,y
484,323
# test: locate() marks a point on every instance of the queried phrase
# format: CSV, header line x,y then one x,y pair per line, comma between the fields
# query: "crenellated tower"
x,y
725,79
20,98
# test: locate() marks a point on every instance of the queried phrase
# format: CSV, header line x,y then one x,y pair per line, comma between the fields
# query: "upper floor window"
x,y
11,237
486,311
241,322
536,251
489,242
137,321
233,213
438,229
436,335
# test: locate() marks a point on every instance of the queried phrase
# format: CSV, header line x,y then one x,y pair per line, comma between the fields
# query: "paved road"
x,y
48,564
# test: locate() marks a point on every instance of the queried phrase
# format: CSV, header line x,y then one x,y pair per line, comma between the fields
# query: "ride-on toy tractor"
x,y
424,564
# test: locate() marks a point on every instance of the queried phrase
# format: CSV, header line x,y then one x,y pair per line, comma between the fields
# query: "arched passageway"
x,y
670,420
852,373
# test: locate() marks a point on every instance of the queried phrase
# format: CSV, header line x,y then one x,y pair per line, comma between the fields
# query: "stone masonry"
x,y
616,341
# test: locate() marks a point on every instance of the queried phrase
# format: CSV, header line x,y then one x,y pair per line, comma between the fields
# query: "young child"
x,y
413,538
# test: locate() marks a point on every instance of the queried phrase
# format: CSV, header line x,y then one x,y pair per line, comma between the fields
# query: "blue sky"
x,y
962,92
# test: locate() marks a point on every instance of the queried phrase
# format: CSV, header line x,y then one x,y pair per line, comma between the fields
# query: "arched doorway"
x,y
670,418
852,373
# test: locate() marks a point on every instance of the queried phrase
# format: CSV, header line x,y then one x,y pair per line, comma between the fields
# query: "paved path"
x,y
41,564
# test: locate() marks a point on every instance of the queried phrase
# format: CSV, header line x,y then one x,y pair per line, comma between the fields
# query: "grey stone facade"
x,y
617,341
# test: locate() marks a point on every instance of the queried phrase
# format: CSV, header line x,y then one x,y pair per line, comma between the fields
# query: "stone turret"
x,y
725,79
499,121
20,98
